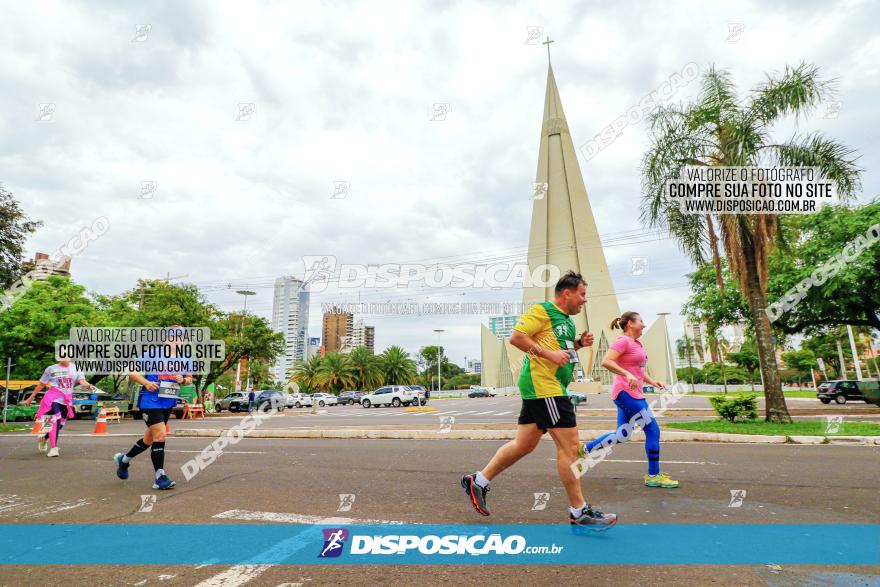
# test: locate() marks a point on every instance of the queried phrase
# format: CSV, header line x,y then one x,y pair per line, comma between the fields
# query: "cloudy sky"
x,y
102,99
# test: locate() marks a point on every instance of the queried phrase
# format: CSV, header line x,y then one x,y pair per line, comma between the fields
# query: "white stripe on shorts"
x,y
552,409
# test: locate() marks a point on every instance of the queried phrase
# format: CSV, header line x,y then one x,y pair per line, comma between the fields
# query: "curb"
x,y
510,434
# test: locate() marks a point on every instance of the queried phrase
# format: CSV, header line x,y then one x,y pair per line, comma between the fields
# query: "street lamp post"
x,y
439,357
245,293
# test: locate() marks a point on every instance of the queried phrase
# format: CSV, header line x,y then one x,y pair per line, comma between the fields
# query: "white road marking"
x,y
504,413
55,507
284,518
485,413
235,576
242,574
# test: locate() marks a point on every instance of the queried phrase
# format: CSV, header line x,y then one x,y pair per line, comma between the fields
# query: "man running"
x,y
158,396
546,333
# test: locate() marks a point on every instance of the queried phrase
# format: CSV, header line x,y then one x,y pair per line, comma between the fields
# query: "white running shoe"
x,y
42,443
53,452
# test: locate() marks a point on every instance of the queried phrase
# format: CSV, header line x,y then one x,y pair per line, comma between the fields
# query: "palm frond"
x,y
836,160
798,90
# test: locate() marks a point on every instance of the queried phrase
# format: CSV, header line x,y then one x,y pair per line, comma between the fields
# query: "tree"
x,y
852,295
305,373
46,313
719,346
719,130
800,362
244,336
14,230
397,367
335,373
747,358
366,368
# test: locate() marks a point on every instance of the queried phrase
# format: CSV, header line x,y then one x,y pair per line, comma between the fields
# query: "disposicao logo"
x,y
334,540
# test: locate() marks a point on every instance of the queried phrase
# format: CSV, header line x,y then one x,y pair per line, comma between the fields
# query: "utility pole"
x,y
439,357
6,392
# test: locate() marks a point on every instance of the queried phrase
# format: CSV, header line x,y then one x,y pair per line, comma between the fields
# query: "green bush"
x,y
742,406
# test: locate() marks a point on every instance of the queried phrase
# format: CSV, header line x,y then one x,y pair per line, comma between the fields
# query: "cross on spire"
x,y
547,42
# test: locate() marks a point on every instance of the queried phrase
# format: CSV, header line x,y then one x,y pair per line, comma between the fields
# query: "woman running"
x,y
627,360
57,404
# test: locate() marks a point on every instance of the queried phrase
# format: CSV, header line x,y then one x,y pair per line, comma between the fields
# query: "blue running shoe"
x,y
121,468
163,482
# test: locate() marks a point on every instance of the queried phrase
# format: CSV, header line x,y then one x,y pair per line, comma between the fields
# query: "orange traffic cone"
x,y
167,430
38,427
101,423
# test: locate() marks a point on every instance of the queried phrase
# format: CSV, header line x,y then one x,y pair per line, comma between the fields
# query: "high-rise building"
x,y
290,316
313,347
473,366
337,331
701,350
363,335
564,234
502,326
42,267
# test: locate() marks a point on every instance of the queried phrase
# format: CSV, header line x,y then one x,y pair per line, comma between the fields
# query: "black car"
x,y
350,397
840,391
268,399
480,392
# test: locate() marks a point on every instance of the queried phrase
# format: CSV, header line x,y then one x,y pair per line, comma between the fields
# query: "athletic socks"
x,y
157,455
575,512
159,473
139,447
481,480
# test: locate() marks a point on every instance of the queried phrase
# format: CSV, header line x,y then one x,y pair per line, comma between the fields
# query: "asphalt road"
x,y
283,481
497,410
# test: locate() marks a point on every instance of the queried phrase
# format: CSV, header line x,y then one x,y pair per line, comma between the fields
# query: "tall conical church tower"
x,y
564,234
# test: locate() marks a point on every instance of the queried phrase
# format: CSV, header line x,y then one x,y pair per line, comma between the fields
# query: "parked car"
x,y
477,391
350,397
298,400
424,394
324,399
577,398
268,399
390,395
86,402
840,391
234,402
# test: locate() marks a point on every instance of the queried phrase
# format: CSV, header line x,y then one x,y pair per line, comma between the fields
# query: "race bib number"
x,y
169,389
572,353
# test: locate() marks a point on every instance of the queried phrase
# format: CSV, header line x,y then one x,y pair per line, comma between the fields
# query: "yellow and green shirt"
x,y
552,329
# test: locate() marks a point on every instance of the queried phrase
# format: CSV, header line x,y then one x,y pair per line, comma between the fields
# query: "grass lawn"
x,y
797,428
14,427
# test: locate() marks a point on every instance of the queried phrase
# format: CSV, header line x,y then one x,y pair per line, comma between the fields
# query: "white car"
x,y
298,400
390,395
324,399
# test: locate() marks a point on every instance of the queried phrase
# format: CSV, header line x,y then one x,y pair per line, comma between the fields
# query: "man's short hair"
x,y
570,280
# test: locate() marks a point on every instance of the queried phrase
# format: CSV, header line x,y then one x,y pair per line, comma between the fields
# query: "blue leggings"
x,y
627,407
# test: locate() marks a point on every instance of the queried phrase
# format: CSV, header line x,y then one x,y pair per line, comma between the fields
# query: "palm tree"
x,y
305,373
720,345
684,346
335,373
366,368
397,367
719,130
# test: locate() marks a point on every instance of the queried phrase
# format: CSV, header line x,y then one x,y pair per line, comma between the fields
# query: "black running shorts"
x,y
155,415
548,412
